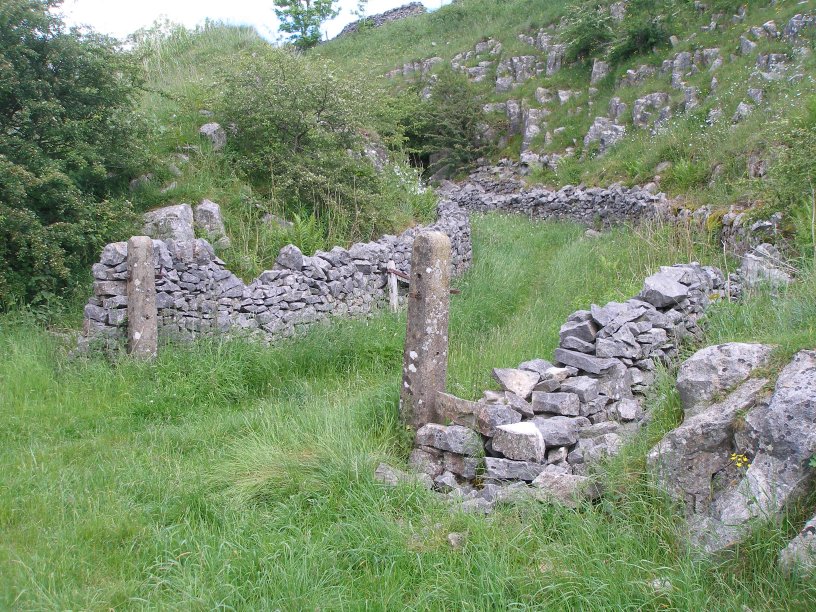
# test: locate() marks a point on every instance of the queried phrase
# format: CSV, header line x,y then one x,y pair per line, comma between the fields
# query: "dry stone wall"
x,y
553,419
501,188
197,295
605,206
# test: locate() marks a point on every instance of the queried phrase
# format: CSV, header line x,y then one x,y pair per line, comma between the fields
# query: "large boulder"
x,y
777,441
715,369
688,458
208,219
170,223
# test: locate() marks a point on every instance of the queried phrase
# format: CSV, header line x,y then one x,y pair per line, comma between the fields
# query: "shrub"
x,y
448,128
304,137
68,141
588,30
647,25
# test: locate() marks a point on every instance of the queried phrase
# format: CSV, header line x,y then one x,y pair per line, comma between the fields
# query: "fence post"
x,y
141,293
393,293
425,360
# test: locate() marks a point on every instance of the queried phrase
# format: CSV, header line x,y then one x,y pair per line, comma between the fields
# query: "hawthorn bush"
x,y
69,142
311,141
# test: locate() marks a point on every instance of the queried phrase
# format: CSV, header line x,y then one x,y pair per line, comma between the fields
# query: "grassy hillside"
x,y
442,33
227,476
709,164
230,475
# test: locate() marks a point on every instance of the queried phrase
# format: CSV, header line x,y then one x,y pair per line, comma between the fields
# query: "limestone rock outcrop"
x,y
712,371
744,458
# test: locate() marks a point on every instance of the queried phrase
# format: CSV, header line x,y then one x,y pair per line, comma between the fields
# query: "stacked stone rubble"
x,y
406,11
197,294
553,419
500,188
606,206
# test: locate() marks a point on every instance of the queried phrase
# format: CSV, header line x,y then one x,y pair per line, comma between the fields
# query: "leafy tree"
x,y
68,144
448,128
301,19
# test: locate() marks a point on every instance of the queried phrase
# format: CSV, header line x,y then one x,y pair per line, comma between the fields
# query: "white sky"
x,y
121,17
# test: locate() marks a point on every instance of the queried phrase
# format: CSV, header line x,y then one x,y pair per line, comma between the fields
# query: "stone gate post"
x,y
425,360
141,292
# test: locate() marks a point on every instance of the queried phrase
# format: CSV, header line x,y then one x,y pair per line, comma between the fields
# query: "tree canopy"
x,y
301,19
68,142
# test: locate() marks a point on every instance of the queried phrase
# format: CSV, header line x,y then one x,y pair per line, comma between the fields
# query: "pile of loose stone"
x,y
405,11
197,294
552,420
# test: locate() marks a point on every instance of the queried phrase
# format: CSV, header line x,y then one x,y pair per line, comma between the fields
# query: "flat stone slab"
x,y
584,387
566,489
582,361
393,477
520,382
452,438
559,430
565,404
491,416
661,290
520,441
583,330
507,469
536,365
451,407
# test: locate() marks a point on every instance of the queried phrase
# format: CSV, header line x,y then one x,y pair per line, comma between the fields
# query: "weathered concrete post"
x,y
425,361
143,330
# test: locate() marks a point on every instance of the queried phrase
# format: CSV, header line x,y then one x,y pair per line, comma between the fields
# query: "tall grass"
x,y
228,475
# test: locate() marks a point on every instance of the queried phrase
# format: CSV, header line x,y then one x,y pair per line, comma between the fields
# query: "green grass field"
x,y
231,476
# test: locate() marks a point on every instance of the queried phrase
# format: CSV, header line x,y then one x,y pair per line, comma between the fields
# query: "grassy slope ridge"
x,y
227,476
710,162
